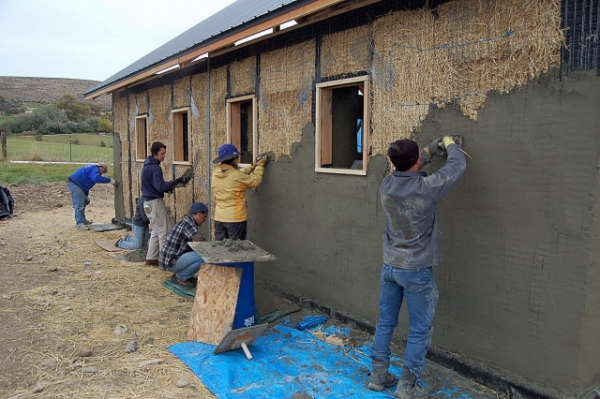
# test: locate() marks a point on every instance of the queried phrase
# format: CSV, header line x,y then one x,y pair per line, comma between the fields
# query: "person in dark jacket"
x,y
410,251
154,188
80,183
140,227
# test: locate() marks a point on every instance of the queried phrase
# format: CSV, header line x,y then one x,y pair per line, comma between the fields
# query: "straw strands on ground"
x,y
90,308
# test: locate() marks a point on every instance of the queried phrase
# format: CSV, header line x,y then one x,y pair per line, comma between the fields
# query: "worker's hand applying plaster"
x,y
436,148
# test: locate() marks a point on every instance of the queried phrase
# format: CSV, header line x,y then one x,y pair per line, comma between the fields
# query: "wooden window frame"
x,y
234,123
141,121
324,124
178,139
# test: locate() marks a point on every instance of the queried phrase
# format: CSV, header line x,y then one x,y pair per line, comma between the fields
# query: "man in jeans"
x,y
410,250
140,227
80,183
154,188
176,255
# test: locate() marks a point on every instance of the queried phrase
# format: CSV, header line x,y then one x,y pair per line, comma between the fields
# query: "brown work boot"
x,y
184,283
380,378
151,262
88,222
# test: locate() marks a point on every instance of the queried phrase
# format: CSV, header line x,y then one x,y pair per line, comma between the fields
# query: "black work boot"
x,y
409,388
380,378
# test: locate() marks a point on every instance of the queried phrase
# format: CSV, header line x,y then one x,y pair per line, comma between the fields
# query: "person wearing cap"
x,y
154,188
229,184
410,251
80,183
176,255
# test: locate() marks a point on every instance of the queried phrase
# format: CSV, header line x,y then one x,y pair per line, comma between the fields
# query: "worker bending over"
x,y
176,255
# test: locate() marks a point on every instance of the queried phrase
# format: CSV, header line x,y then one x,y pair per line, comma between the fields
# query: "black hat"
x,y
403,154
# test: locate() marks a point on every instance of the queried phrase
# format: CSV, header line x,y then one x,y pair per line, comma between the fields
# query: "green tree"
x,y
76,110
105,125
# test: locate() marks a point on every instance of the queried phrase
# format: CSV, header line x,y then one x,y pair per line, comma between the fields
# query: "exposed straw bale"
x,y
199,137
287,80
181,93
242,77
461,53
218,109
346,52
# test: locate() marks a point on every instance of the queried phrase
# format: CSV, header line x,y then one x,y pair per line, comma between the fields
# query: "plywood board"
x,y
215,302
235,338
229,251
108,245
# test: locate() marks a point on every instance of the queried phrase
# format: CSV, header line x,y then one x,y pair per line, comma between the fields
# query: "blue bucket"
x,y
245,310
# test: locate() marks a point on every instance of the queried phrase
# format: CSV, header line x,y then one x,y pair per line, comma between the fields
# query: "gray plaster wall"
x,y
519,278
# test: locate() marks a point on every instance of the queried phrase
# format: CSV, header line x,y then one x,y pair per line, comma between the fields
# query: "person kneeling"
x,y
176,255
140,226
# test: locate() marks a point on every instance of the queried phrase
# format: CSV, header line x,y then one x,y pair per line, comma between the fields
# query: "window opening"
x,y
241,126
181,136
141,138
342,126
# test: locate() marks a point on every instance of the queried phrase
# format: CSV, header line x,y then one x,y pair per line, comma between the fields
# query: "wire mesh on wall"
x,y
581,27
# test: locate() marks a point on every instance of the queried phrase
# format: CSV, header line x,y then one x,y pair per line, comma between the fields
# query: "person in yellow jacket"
x,y
229,185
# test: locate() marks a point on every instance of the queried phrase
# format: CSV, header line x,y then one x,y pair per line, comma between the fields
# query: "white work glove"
x,y
114,182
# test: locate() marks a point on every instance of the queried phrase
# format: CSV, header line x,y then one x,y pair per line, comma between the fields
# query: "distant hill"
x,y
47,90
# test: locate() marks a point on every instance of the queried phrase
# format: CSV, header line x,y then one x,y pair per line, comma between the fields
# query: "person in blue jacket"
x,y
154,188
410,251
80,183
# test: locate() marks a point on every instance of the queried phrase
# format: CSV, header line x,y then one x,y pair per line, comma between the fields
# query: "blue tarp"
x,y
288,362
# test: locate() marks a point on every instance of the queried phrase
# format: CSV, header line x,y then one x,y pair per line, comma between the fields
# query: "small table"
x,y
241,254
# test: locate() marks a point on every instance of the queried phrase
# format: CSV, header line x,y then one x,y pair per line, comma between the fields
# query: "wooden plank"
x,y
214,304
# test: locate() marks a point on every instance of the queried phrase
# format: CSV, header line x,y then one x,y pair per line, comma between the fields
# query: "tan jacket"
x,y
229,185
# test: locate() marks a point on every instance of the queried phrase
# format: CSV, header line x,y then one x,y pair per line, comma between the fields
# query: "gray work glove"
x,y
114,183
435,148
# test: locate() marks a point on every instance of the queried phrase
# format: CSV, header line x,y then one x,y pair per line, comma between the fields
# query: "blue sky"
x,y
90,39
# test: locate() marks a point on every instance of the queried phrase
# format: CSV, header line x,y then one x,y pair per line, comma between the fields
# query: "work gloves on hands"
x,y
435,148
183,180
447,140
114,183
261,161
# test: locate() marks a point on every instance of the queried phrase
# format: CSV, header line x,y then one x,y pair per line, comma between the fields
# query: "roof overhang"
x,y
303,15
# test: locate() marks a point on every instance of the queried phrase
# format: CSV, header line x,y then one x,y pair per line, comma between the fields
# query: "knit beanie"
x,y
403,154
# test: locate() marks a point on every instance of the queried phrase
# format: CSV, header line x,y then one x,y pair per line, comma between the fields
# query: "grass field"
x,y
61,148
11,173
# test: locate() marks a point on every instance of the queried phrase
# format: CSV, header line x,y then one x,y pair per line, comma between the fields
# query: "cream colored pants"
x,y
160,223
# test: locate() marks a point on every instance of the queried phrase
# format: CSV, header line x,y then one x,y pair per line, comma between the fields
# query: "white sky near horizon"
x,y
90,39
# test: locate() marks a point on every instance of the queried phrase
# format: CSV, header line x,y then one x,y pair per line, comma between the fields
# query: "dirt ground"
x,y
70,313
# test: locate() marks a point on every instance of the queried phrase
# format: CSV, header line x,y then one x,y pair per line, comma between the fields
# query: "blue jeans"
x,y
78,198
139,239
419,289
187,265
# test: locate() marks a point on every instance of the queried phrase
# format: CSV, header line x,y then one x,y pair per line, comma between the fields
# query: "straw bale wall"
x,y
242,77
346,52
285,98
121,127
461,53
218,109
199,137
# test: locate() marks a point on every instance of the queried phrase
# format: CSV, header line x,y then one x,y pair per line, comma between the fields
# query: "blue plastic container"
x,y
245,310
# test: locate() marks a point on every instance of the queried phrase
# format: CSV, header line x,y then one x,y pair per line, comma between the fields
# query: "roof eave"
x,y
227,40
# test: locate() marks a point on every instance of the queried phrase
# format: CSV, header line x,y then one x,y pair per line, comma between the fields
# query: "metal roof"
x,y
242,13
